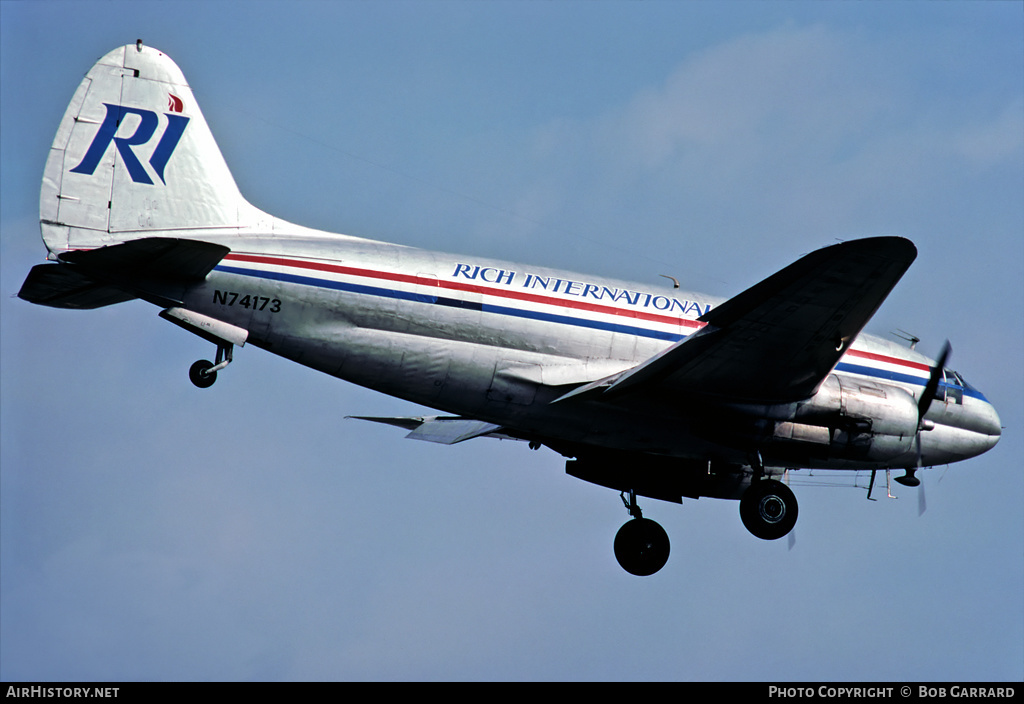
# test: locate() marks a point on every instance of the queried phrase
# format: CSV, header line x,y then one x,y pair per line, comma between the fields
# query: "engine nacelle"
x,y
858,420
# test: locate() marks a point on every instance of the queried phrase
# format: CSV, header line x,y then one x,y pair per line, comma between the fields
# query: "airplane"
x,y
662,394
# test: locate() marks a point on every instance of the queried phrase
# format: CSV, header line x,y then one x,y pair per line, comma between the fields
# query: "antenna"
x,y
675,281
904,335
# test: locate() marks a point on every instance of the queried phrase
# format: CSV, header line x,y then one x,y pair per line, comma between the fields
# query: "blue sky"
x,y
153,531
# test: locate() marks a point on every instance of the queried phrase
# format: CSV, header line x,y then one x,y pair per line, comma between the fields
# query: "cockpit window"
x,y
951,388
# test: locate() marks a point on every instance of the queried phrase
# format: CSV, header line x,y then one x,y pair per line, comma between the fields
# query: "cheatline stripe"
x,y
466,287
521,313
453,302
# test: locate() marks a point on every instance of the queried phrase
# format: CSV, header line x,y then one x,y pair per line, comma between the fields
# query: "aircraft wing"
x,y
779,339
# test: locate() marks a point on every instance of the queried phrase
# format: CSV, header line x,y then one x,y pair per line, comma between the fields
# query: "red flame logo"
x,y
174,103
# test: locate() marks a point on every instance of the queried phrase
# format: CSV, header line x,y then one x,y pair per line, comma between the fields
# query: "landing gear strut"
x,y
204,372
641,545
768,509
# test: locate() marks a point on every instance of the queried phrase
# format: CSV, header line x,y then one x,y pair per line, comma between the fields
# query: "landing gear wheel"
x,y
200,375
641,547
768,509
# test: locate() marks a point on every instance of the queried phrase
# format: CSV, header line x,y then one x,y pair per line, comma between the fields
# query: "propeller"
x,y
791,536
928,395
923,404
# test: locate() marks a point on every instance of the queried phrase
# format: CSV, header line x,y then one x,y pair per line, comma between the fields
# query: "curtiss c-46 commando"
x,y
651,393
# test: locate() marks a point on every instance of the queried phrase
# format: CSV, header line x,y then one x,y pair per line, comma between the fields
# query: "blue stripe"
x,y
880,373
547,317
582,322
904,378
451,302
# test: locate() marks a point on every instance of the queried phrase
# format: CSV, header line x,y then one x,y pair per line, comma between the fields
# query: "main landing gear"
x,y
204,372
768,509
641,545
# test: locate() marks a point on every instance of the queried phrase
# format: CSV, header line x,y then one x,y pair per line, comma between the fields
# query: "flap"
x,y
446,430
565,374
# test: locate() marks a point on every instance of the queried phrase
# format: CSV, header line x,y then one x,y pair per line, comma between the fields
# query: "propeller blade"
x,y
910,478
928,395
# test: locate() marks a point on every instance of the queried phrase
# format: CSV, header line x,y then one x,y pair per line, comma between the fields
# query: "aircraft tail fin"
x,y
134,157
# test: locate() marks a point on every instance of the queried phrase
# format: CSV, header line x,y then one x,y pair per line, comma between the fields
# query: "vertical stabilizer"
x,y
134,157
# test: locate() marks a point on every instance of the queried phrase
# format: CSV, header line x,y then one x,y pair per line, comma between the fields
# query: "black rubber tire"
x,y
199,375
641,547
768,509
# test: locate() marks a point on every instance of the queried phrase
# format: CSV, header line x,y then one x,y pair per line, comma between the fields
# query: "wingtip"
x,y
892,247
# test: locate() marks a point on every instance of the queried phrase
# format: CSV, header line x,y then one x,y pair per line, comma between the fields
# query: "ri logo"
x,y
148,123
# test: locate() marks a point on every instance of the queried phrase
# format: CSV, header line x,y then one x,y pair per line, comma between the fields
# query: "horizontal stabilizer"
x,y
446,430
59,286
86,279
150,257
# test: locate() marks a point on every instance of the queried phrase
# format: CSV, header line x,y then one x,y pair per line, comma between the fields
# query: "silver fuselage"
x,y
500,341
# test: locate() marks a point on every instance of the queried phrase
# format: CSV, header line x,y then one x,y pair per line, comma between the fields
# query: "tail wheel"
x,y
768,509
641,547
200,375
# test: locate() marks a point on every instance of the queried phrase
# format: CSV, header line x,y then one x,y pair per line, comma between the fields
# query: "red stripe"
x,y
471,288
890,360
518,295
